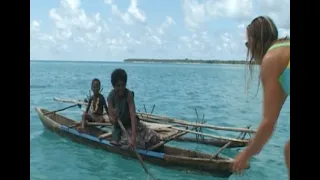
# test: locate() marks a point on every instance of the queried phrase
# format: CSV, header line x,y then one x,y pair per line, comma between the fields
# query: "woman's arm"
x,y
273,99
132,111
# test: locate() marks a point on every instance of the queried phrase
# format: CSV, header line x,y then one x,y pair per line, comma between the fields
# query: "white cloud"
x,y
241,26
168,21
136,12
35,26
284,32
156,39
108,1
237,9
132,13
278,11
197,12
71,4
74,31
127,32
124,16
194,14
230,44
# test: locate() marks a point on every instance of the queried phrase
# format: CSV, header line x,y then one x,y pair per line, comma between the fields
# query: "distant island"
x,y
186,61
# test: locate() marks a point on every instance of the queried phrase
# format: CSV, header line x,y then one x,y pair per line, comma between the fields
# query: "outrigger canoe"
x,y
168,156
210,140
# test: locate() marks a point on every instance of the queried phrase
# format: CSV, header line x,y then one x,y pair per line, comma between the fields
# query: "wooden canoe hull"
x,y
170,157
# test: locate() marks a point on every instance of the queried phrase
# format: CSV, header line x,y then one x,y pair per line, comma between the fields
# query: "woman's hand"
x,y
241,162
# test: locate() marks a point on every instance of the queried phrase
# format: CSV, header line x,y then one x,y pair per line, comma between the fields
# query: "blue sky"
x,y
113,30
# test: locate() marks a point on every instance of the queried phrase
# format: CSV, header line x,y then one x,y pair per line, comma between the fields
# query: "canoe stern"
x,y
45,119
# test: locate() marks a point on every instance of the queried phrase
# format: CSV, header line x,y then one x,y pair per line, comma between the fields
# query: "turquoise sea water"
x,y
218,91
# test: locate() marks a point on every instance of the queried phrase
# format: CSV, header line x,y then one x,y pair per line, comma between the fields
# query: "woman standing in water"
x,y
273,56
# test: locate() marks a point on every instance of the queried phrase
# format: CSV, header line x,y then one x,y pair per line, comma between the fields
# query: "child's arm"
x,y
112,115
105,105
89,104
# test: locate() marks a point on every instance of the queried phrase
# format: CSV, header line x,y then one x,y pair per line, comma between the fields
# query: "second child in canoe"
x,y
121,105
94,111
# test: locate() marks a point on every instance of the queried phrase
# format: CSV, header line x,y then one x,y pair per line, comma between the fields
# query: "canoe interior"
x,y
96,132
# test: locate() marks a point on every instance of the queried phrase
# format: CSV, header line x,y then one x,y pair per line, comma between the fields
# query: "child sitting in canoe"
x,y
121,106
94,111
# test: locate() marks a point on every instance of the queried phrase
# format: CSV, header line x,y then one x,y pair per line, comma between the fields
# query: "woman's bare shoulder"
x,y
276,61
